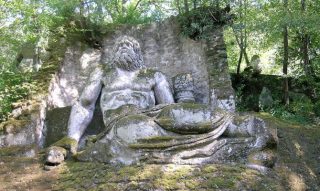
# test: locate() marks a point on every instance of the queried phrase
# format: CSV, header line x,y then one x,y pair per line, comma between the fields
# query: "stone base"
x,y
244,139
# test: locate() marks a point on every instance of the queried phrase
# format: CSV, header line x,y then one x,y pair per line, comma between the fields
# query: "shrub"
x,y
316,108
13,87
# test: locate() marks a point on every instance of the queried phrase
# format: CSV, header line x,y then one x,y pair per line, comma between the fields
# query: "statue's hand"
x,y
54,156
59,151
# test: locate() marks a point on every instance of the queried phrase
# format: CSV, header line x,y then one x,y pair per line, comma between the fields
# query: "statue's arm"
x,y
162,90
82,111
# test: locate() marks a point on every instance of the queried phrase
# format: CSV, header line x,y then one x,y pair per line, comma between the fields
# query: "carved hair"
x,y
127,54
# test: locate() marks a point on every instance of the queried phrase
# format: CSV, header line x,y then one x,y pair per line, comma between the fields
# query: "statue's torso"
x,y
127,88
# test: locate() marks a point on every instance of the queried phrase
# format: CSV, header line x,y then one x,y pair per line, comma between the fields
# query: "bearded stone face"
x,y
128,54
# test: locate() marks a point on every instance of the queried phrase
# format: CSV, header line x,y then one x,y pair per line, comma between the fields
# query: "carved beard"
x,y
128,59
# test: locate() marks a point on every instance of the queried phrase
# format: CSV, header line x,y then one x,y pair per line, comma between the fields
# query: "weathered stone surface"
x,y
161,136
295,170
55,155
67,143
17,132
186,118
183,86
25,128
265,158
29,58
164,50
56,125
67,85
247,140
135,137
255,64
19,151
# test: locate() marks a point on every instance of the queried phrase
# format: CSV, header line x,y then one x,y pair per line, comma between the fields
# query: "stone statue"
x,y
144,124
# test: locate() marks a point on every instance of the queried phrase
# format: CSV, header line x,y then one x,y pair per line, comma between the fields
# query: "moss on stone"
x,y
160,145
156,139
165,122
220,183
146,73
191,128
67,143
13,126
294,170
15,150
132,119
122,111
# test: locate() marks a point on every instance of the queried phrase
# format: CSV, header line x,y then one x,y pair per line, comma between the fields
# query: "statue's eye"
x,y
128,44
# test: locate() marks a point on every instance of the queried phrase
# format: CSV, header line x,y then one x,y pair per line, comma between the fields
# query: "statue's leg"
x,y
262,150
131,128
189,118
114,146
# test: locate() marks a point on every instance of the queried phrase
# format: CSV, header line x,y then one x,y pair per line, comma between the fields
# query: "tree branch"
x,y
137,4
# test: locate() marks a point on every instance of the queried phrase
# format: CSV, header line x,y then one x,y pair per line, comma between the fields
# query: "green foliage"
x,y
232,49
197,23
300,109
310,85
43,23
316,108
132,16
13,87
245,102
282,112
248,88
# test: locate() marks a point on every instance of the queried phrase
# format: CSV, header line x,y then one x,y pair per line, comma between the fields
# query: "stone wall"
x,y
221,91
164,49
68,83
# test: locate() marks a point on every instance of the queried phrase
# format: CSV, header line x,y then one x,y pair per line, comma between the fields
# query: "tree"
x,y
285,58
305,44
186,6
240,33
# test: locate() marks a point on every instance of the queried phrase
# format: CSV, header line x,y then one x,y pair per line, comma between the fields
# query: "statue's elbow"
x,y
86,102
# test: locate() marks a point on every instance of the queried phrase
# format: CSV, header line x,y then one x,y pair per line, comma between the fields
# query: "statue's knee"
x,y
133,127
186,118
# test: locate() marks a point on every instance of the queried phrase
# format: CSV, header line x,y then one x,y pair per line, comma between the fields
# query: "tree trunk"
x,y
241,39
305,54
245,36
246,57
285,66
186,6
194,4
305,45
239,62
285,59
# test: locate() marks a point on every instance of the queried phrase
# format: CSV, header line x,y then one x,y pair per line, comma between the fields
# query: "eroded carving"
x,y
144,124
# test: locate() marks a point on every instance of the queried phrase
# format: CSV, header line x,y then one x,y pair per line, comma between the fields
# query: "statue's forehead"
x,y
127,41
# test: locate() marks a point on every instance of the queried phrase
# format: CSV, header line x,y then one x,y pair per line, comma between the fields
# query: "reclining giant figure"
x,y
144,124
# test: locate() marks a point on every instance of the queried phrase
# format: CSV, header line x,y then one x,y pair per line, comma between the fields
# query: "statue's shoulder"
x,y
104,70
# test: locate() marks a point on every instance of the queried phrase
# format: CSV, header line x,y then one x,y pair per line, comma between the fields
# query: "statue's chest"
x,y
135,83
